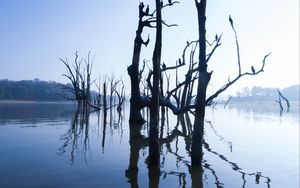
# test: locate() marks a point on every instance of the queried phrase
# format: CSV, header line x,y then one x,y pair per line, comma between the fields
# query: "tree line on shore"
x,y
35,90
257,93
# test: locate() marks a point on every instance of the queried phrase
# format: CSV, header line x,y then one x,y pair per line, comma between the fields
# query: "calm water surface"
x,y
51,145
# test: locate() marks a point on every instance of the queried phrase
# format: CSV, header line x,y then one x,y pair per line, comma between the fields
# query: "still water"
x,y
52,145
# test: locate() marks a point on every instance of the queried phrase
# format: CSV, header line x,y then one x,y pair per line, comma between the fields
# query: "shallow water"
x,y
50,145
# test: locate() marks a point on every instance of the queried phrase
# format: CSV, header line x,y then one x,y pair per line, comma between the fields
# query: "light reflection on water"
x,y
52,145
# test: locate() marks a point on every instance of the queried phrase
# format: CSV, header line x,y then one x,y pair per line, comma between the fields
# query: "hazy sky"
x,y
34,34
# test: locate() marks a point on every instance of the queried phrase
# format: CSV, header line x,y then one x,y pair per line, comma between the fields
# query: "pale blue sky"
x,y
34,34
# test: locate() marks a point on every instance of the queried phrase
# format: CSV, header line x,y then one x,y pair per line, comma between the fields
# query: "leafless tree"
x,y
79,75
197,77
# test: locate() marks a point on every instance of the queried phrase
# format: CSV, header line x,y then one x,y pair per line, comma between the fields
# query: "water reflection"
x,y
265,109
77,141
78,132
236,168
85,139
220,137
169,141
33,113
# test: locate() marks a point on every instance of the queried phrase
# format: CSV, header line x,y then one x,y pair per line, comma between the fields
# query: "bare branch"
x,y
171,25
215,47
226,86
229,98
142,70
166,5
149,80
237,45
175,109
284,98
178,86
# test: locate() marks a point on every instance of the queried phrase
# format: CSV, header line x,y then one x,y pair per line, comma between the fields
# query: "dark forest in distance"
x,y
36,90
39,90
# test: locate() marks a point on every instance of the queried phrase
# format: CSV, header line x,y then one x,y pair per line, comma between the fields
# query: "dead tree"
x,y
154,105
113,87
280,96
285,99
154,155
121,97
79,74
104,99
197,74
98,96
280,104
229,98
204,78
74,75
136,101
89,67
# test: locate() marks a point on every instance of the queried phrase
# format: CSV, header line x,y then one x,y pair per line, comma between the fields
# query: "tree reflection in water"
x,y
76,141
78,132
198,175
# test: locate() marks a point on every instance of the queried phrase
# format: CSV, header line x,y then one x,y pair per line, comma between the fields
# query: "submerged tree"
x,y
79,74
154,106
136,101
196,76
204,78
146,20
280,96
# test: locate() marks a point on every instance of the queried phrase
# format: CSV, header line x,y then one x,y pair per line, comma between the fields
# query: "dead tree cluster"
x,y
79,75
188,95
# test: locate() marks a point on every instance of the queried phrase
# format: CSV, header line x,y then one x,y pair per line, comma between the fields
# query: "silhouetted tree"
x,y
79,74
183,91
204,78
80,78
146,20
284,98
154,106
136,100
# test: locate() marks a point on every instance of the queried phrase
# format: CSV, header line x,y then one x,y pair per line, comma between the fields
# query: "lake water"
x,y
50,145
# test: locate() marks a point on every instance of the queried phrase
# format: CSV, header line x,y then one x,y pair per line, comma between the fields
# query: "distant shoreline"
x,y
257,102
16,101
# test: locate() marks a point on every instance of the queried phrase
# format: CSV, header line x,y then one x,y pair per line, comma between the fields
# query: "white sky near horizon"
x,y
35,34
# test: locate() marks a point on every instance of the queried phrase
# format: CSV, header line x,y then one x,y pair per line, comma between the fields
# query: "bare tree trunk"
x,y
196,176
284,98
89,67
154,107
153,174
104,115
161,82
280,104
133,71
135,145
229,98
111,92
203,80
104,100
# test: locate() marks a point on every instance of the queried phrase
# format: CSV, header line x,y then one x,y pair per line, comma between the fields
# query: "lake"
x,y
52,145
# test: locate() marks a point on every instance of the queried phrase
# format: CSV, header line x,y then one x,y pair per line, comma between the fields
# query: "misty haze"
x,y
159,93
